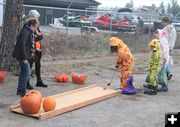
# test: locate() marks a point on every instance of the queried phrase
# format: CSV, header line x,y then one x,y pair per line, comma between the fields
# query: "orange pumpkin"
x,y
78,79
49,104
65,78
2,76
37,92
62,78
30,103
82,78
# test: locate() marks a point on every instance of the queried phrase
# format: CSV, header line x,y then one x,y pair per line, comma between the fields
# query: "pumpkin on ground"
x,y
62,78
65,78
49,104
30,103
2,76
78,79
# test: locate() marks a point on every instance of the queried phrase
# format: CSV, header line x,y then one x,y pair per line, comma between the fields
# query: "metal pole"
x,y
85,15
67,23
112,13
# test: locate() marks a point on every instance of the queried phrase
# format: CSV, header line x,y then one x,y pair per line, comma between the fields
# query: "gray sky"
x,y
137,3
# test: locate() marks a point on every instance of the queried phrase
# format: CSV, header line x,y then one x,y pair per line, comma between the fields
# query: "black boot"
x,y
40,84
21,93
147,86
29,87
152,91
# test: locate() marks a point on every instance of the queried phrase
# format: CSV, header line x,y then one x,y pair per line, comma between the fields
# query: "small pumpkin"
x,y
65,78
49,104
78,79
30,103
2,76
82,78
62,78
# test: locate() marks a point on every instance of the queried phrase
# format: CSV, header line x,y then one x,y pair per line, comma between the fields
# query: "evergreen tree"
x,y
168,8
130,4
162,8
173,7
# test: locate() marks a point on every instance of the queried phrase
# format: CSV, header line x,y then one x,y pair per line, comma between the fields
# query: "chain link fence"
x,y
85,33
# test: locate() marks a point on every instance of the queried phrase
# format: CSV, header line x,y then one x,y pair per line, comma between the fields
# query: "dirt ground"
x,y
122,111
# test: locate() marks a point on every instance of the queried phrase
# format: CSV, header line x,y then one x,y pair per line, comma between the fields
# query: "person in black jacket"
x,y
24,52
37,60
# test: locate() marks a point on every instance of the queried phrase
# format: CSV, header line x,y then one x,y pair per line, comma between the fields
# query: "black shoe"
x,y
152,91
40,84
29,87
148,86
21,93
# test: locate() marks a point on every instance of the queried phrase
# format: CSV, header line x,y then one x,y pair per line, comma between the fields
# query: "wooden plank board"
x,y
72,100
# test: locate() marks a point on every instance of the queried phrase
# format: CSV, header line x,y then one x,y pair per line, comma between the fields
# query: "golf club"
x,y
112,77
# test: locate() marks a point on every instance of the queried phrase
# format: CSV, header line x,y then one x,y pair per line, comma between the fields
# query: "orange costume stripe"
x,y
124,58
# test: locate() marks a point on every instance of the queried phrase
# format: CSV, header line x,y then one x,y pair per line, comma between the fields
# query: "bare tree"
x,y
11,26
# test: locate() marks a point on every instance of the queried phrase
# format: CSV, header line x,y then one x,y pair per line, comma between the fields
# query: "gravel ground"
x,y
122,111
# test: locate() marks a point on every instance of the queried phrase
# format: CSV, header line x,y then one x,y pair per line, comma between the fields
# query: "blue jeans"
x,y
23,76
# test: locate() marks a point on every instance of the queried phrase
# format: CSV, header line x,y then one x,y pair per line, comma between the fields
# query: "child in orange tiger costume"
x,y
125,60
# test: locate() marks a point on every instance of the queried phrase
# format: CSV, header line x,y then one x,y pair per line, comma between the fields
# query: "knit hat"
x,y
33,14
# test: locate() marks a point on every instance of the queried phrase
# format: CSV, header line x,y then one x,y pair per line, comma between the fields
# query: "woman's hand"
x,y
37,32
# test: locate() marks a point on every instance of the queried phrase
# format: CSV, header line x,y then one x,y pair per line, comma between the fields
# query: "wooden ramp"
x,y
72,100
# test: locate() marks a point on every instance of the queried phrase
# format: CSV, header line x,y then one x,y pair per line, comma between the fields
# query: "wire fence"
x,y
84,33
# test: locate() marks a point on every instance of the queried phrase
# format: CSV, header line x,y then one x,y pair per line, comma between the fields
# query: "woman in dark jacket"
x,y
24,52
37,38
